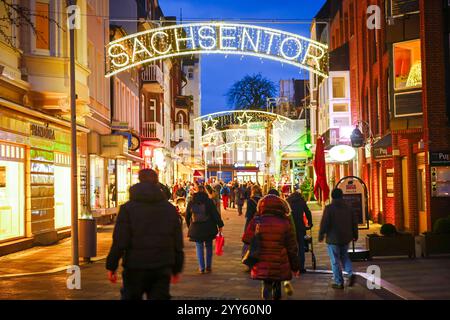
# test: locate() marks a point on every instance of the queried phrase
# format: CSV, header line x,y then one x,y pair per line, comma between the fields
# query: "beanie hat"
x,y
272,203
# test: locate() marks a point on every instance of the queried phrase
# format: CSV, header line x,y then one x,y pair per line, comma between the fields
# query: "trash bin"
x,y
87,233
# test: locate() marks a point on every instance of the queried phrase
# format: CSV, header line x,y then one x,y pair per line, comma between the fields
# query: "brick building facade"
x,y
398,80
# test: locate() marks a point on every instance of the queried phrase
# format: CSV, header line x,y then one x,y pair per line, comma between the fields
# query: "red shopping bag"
x,y
220,242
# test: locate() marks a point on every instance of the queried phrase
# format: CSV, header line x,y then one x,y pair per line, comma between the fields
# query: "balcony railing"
x,y
152,130
152,74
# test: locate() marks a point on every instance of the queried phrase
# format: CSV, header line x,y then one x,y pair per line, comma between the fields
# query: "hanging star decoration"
x,y
210,123
244,119
281,121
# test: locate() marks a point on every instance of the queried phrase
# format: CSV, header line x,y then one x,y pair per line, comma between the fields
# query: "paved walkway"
x,y
424,277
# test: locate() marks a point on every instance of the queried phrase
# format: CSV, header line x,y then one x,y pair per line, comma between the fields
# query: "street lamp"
x,y
357,137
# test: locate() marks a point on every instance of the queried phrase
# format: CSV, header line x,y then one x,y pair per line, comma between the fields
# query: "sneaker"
x,y
351,280
208,270
303,271
337,286
201,271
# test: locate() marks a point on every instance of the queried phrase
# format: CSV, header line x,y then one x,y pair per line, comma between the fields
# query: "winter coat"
x,y
298,208
241,196
148,233
339,223
207,230
278,256
225,191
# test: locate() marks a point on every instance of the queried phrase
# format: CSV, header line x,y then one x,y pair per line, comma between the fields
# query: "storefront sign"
x,y
355,196
379,153
390,183
342,153
440,158
113,146
42,132
118,125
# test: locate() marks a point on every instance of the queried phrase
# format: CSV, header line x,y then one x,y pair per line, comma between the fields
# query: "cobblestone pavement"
x,y
227,281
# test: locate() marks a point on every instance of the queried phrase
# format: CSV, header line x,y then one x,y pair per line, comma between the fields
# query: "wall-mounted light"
x,y
342,153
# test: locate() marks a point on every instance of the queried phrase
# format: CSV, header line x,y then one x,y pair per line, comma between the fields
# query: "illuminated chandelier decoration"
x,y
216,38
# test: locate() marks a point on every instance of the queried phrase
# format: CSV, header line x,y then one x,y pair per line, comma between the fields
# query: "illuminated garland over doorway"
x,y
216,38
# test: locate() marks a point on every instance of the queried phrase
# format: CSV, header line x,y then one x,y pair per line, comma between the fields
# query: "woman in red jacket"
x,y
278,257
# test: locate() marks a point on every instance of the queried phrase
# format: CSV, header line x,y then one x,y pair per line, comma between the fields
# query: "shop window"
x,y
339,87
407,65
97,182
62,197
340,107
11,200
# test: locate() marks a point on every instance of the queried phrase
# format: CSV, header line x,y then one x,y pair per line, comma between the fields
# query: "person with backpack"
x,y
225,192
277,258
204,223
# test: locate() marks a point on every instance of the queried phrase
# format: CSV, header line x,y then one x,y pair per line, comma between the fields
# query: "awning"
x,y
383,147
198,174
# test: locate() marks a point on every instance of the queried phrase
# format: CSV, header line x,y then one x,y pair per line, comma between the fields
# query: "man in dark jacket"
x,y
299,208
340,225
149,239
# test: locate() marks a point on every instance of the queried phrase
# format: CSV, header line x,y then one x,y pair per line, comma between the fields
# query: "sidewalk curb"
x,y
51,271
389,288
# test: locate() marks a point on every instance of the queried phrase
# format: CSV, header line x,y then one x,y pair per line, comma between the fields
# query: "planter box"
x,y
400,245
435,244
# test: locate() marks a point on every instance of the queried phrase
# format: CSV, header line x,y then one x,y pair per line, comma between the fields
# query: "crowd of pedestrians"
x,y
148,234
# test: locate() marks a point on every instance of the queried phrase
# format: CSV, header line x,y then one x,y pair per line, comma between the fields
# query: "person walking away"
x,y
278,258
232,196
241,198
252,203
340,226
225,192
181,192
204,222
214,196
148,238
298,209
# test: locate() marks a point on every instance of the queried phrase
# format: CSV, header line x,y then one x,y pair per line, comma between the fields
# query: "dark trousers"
x,y
155,283
271,290
301,249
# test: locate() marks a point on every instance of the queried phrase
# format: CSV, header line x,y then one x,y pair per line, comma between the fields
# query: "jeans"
x,y
155,283
301,250
201,254
271,290
339,256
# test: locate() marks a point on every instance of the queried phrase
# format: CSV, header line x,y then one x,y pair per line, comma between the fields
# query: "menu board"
x,y
83,182
354,201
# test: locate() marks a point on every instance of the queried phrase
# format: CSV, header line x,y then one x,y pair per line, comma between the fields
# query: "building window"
x,y
340,107
191,73
258,156
249,155
407,65
42,26
240,155
339,87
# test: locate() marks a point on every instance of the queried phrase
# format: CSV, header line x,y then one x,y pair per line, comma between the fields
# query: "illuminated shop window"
x,y
407,65
11,200
97,182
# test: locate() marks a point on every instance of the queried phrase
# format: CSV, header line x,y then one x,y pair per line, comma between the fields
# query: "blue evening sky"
x,y
218,72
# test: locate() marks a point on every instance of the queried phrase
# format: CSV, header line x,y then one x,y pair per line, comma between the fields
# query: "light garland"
x,y
218,38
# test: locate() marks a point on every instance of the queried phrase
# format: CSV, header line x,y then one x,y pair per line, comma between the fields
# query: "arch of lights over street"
x,y
227,131
216,38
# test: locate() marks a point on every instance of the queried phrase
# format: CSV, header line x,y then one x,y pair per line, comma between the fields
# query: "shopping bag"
x,y
220,242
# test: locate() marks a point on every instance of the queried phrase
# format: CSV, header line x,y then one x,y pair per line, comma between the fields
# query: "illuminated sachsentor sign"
x,y
216,38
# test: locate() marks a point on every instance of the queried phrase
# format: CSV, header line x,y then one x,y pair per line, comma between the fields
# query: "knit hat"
x,y
272,203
